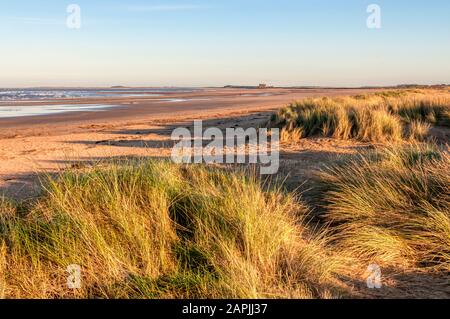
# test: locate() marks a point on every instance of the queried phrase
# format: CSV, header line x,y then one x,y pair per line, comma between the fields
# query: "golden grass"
x,y
419,131
158,230
379,117
431,107
152,229
392,206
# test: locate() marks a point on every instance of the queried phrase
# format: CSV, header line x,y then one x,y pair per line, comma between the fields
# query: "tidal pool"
x,y
36,110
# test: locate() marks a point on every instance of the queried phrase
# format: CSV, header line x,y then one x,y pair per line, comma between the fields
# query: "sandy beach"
x,y
138,126
207,152
141,126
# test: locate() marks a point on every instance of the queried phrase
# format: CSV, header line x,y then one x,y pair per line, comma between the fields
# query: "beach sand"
x,y
33,146
139,126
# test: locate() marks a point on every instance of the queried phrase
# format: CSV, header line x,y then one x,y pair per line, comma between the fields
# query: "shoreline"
x,y
30,146
132,107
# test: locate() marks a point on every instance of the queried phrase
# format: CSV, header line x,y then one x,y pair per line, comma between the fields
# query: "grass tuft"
x,y
393,206
380,117
155,229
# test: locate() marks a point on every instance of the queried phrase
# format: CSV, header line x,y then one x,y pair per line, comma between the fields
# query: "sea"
x,y
19,102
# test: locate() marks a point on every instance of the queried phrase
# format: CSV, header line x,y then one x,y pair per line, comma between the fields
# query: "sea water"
x,y
35,110
47,94
7,110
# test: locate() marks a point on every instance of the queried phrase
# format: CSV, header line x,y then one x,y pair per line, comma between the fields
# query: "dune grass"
x,y
157,230
153,229
392,206
380,117
428,108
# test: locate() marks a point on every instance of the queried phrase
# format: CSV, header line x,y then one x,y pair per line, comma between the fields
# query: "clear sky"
x,y
219,42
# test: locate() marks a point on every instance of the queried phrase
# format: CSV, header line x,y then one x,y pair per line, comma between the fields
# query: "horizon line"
x,y
400,85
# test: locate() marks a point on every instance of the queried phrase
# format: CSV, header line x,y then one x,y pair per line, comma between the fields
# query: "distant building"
x,y
261,86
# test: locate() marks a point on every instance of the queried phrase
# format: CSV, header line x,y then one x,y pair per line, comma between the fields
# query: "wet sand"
x,y
139,126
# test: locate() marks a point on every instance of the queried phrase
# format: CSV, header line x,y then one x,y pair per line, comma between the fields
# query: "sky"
x,y
220,42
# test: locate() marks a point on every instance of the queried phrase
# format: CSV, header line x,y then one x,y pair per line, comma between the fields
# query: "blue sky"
x,y
219,42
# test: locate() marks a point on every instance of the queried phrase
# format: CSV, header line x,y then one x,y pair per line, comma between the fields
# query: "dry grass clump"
x,y
6,206
339,118
379,117
428,108
392,206
288,136
157,230
418,130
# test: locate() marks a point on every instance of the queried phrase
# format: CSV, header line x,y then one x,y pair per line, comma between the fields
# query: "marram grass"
x,y
380,117
392,206
146,229
153,229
